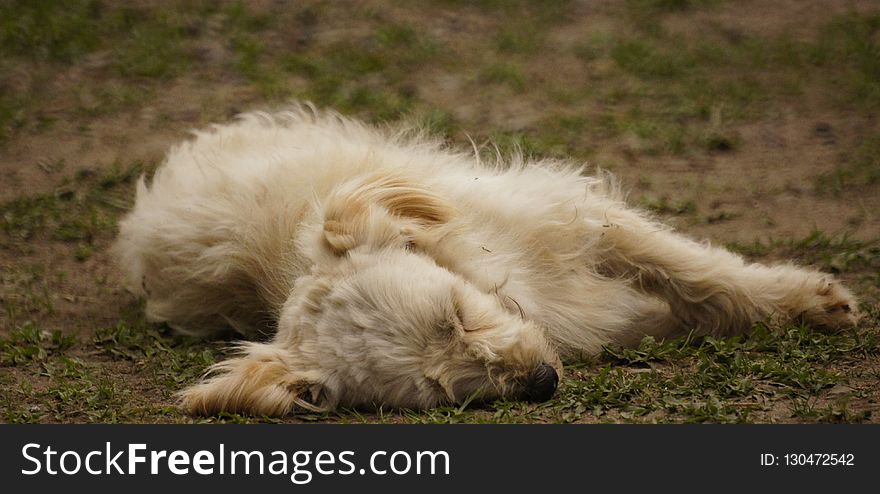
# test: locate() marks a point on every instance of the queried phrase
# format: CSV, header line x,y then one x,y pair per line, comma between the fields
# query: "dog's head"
x,y
382,323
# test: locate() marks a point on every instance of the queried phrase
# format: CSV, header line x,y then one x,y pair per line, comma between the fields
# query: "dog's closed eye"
x,y
454,320
468,319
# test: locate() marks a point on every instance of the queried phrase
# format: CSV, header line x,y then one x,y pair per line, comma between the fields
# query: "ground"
x,y
748,123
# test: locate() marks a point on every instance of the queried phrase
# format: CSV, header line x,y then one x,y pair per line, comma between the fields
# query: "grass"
x,y
173,359
49,30
12,115
80,210
666,88
670,5
837,253
860,168
111,97
687,380
850,45
28,343
504,74
523,39
152,50
674,94
682,93
664,206
101,380
364,77
642,59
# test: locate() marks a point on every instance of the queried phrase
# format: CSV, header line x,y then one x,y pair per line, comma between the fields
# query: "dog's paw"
x,y
826,304
196,400
259,383
222,394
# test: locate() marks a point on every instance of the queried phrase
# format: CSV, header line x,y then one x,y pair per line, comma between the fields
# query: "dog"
x,y
391,270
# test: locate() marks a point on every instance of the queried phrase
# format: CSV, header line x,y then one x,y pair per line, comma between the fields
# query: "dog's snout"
x,y
541,384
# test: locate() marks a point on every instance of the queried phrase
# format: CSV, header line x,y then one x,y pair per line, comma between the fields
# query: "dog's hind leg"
x,y
259,382
712,290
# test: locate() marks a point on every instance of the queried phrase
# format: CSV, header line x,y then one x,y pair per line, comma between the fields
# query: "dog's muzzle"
x,y
541,384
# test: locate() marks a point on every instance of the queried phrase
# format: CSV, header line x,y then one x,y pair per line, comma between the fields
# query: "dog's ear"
x,y
379,209
260,382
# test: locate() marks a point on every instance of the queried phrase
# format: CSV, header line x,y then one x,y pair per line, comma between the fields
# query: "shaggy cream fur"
x,y
392,270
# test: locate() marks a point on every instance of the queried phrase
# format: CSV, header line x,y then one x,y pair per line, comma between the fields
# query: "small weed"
x,y
49,29
720,217
29,342
504,73
152,50
642,58
860,168
835,253
239,18
670,5
719,142
250,63
524,39
12,114
665,207
850,46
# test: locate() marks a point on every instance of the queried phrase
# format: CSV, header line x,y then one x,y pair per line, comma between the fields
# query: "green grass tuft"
x,y
508,74
860,169
49,29
152,50
29,343
82,210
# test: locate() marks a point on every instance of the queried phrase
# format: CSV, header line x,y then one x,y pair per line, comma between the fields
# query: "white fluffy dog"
x,y
395,271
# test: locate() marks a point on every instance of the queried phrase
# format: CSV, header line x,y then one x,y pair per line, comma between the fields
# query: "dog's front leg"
x,y
261,381
713,290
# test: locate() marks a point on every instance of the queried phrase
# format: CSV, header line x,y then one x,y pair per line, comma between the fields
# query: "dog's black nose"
x,y
541,384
